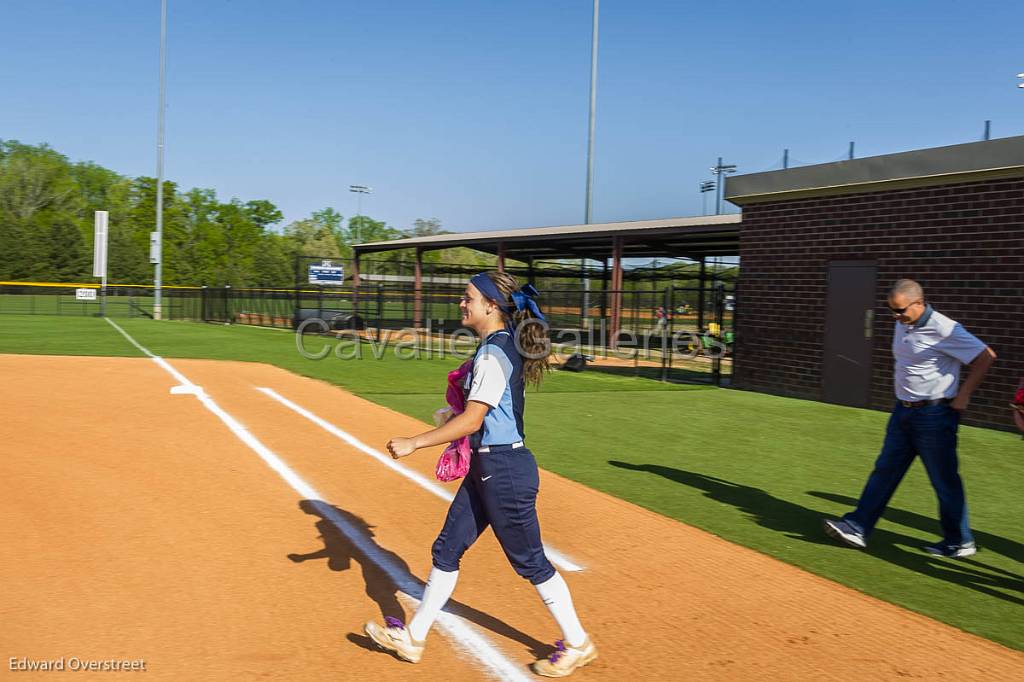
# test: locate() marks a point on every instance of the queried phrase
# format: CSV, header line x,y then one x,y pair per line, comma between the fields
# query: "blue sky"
x,y
476,112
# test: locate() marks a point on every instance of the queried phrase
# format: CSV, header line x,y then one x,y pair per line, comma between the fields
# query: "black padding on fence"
x,y
333,319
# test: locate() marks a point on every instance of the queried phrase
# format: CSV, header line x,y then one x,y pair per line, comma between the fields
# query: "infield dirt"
x,y
137,526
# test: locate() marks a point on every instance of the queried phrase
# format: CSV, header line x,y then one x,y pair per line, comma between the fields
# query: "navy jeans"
x,y
500,491
930,432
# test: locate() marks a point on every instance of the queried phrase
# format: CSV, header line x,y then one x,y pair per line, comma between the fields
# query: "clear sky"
x,y
476,112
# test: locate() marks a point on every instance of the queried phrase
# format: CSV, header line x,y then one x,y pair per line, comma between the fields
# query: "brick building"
x,y
821,245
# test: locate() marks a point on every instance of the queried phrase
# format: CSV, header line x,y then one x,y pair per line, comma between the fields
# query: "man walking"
x,y
928,350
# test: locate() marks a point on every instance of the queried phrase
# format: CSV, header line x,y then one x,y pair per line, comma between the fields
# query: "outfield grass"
x,y
50,335
755,469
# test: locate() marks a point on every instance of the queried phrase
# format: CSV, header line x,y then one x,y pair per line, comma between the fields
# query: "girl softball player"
x,y
500,490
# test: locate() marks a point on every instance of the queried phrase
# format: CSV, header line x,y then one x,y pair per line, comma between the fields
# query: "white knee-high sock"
x,y
555,594
440,586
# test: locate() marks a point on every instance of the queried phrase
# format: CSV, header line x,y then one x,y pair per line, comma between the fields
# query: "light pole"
x,y
359,190
705,187
156,255
590,149
593,107
721,171
1020,75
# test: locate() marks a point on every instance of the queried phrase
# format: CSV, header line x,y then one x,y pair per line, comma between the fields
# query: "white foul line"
x,y
457,629
556,557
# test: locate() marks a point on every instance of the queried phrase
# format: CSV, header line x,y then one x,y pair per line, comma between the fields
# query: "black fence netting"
x,y
671,332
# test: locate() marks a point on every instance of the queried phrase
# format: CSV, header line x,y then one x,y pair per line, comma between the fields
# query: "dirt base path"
x,y
138,526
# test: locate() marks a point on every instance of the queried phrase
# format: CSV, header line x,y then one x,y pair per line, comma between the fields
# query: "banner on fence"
x,y
327,273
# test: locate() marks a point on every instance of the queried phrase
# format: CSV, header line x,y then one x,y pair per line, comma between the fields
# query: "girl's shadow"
x,y
349,538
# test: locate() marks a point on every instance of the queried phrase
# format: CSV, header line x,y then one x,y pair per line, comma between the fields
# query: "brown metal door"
x,y
849,326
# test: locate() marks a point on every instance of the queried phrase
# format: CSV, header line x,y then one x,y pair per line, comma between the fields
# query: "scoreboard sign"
x,y
327,273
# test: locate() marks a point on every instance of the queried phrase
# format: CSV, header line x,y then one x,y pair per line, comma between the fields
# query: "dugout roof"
x,y
695,238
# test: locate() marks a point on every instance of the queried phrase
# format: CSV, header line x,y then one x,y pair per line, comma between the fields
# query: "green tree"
x,y
240,239
194,251
63,257
34,180
128,237
369,230
319,235
425,227
274,262
36,192
47,207
263,213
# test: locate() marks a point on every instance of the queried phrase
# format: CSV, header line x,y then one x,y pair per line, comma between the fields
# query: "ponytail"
x,y
529,328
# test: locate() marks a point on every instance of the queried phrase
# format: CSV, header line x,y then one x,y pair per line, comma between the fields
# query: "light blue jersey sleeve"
x,y
490,377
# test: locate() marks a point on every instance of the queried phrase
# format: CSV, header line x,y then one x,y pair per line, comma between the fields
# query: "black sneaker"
x,y
952,551
845,532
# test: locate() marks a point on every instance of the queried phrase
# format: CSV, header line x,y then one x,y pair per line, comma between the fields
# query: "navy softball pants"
x,y
500,491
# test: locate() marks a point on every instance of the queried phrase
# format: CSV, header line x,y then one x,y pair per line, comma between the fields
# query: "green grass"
x,y
754,469
50,335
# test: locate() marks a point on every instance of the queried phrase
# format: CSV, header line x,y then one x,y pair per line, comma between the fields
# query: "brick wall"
x,y
964,243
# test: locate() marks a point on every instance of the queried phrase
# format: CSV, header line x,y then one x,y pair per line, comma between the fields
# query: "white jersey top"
x,y
928,355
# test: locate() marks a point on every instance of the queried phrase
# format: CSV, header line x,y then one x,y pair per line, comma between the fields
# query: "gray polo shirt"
x,y
928,355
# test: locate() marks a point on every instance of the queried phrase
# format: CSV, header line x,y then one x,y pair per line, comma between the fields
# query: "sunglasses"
x,y
900,311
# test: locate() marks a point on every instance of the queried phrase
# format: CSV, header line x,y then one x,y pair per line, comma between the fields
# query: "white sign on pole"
x,y
85,294
154,247
327,273
99,250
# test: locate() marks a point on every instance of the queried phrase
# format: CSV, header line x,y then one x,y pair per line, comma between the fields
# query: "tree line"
x,y
47,206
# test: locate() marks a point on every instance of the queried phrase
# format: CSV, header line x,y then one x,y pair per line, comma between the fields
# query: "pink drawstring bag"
x,y
454,461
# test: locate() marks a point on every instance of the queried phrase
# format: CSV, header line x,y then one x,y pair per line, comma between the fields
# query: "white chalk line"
x,y
556,557
455,628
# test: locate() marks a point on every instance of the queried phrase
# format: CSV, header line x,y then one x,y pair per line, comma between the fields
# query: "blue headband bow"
x,y
523,299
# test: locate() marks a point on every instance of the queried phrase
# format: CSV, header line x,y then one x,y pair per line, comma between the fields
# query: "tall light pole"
x,y
587,215
593,111
156,249
721,171
359,190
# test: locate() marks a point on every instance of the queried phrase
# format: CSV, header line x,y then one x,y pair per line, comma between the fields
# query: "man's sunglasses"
x,y
900,311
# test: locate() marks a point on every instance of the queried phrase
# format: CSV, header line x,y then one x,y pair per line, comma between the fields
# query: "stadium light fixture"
x,y
721,170
705,187
359,190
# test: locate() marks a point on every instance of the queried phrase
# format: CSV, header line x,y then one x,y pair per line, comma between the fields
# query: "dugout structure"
x,y
591,296
695,239
821,245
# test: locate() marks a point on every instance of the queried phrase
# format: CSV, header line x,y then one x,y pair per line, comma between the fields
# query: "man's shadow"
x,y
348,538
771,512
803,523
987,541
